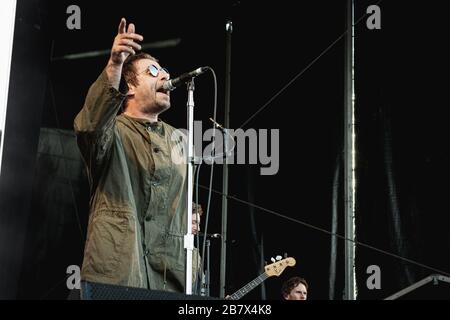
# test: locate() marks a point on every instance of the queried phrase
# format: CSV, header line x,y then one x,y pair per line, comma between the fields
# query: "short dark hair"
x,y
129,71
290,284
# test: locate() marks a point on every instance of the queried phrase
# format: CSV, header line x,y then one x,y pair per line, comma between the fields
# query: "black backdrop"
x,y
400,106
403,161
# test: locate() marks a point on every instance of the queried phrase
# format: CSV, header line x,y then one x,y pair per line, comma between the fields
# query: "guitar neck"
x,y
248,287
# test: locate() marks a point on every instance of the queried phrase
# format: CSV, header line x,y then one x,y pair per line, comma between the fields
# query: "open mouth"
x,y
161,90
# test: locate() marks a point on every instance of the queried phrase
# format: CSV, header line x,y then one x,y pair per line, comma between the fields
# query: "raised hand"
x,y
124,43
123,46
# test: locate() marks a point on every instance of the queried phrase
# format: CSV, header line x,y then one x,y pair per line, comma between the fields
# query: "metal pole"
x,y
223,259
257,251
334,227
208,274
189,238
263,285
350,283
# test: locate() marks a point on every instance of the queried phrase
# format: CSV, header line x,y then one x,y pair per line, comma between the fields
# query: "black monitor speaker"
x,y
100,291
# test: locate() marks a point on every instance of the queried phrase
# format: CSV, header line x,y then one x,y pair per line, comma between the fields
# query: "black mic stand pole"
x,y
223,252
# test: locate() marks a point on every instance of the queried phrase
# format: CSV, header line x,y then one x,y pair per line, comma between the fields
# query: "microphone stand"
x,y
208,279
205,282
189,238
191,161
208,273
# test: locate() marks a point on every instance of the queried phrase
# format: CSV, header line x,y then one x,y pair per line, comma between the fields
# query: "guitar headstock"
x,y
277,268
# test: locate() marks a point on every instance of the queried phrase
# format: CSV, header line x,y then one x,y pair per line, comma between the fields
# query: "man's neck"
x,y
136,114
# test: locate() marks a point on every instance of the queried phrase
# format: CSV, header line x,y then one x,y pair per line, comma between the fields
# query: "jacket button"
x,y
148,218
156,150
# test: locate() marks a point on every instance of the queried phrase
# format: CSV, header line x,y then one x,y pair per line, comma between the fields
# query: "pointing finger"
x,y
122,25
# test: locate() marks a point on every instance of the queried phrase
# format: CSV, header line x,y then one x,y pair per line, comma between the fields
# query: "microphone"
x,y
211,235
172,84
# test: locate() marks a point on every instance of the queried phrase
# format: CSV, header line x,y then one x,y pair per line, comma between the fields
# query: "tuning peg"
x,y
272,259
279,258
285,255
265,263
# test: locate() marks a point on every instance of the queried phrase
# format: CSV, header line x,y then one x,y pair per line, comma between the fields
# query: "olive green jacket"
x,y
138,195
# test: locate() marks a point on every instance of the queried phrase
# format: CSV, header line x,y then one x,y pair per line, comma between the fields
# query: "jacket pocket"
x,y
108,248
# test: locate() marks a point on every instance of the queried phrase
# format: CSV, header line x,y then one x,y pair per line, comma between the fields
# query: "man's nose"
x,y
164,76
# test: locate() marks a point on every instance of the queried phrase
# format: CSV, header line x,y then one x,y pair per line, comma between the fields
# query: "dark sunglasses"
x,y
154,71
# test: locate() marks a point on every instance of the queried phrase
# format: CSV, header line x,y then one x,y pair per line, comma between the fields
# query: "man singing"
x,y
138,189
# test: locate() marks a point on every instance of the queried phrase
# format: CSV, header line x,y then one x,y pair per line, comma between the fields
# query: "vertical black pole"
x,y
229,30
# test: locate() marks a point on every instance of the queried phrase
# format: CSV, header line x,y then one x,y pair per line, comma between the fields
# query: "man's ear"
x,y
131,90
